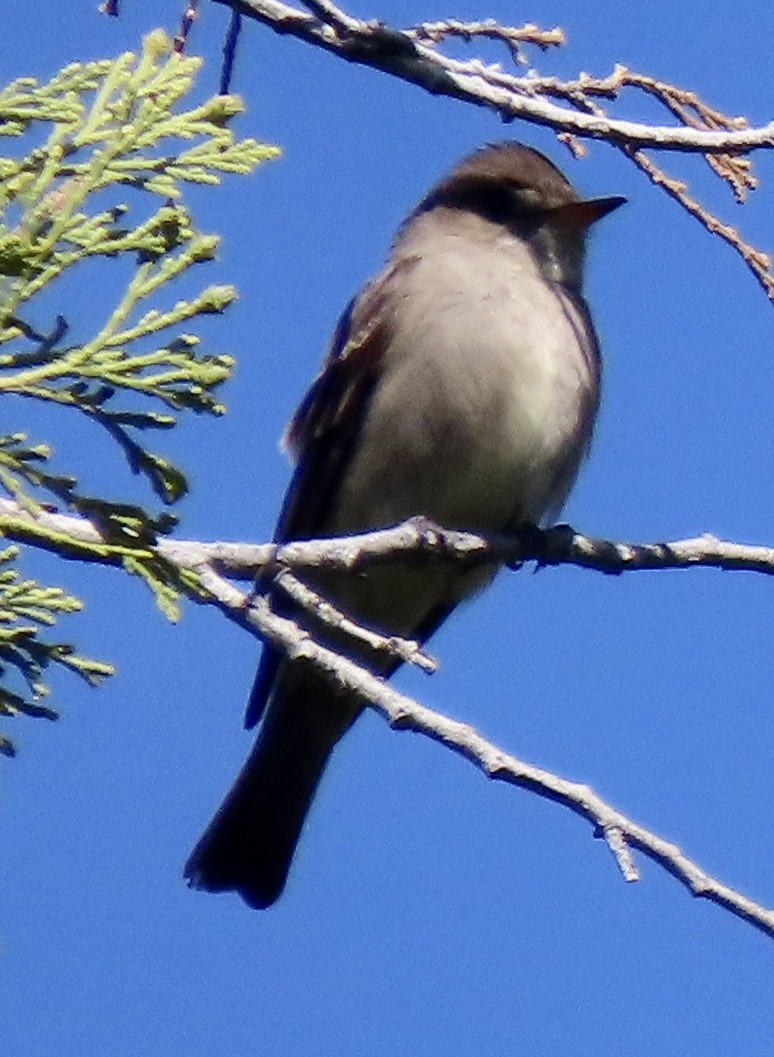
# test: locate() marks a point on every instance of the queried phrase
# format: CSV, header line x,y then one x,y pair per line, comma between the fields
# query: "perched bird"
x,y
462,384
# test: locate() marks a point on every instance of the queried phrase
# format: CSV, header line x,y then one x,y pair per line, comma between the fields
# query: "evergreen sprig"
x,y
107,129
115,124
27,607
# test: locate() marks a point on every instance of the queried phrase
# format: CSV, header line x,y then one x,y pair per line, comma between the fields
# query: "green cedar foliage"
x,y
102,131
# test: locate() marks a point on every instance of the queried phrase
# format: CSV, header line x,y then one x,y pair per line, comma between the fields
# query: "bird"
x,y
461,385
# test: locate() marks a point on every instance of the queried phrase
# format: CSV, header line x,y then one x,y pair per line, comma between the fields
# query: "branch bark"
x,y
413,55
402,54
79,539
402,713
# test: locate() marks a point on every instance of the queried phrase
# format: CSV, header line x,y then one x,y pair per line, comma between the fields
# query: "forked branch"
x,y
206,566
575,109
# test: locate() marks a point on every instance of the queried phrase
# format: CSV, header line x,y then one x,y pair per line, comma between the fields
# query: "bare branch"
x,y
413,55
402,713
758,262
622,853
187,19
513,37
77,538
405,650
71,537
396,52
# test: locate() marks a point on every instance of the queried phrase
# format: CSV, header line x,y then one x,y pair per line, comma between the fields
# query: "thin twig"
x,y
229,52
187,19
400,649
513,37
758,262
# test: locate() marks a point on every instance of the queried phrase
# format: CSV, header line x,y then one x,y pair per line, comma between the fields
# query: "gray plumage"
x,y
462,384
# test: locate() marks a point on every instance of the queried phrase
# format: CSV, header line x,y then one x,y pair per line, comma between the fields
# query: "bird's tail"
x,y
249,844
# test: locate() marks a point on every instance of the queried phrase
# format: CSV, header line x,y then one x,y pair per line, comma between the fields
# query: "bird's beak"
x,y
582,215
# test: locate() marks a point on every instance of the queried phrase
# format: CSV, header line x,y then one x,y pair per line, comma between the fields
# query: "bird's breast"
x,y
486,402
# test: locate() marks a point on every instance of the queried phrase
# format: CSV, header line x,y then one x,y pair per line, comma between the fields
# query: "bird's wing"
x,y
324,432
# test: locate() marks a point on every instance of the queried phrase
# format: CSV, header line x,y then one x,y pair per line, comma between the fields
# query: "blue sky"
x,y
429,912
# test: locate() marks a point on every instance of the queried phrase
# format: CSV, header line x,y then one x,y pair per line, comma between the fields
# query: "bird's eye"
x,y
529,196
